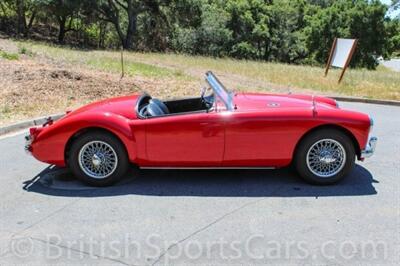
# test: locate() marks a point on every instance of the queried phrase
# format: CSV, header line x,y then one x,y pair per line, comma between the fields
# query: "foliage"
x,y
394,28
210,37
8,56
65,13
249,24
358,19
289,31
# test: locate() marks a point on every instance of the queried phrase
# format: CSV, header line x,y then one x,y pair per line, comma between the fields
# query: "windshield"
x,y
219,90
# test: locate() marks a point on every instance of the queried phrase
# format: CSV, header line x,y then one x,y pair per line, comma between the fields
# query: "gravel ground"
x,y
35,85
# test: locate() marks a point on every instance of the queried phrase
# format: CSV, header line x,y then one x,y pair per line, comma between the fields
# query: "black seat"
x,y
153,109
160,104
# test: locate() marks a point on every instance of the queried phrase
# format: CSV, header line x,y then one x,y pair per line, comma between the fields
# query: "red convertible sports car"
x,y
219,129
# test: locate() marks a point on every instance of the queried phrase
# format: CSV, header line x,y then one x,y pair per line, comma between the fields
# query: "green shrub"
x,y
8,56
244,50
25,51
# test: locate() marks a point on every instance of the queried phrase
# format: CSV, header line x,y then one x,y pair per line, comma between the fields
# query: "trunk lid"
x,y
256,101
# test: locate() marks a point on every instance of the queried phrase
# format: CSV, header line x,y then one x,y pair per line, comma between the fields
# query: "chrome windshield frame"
x,y
220,91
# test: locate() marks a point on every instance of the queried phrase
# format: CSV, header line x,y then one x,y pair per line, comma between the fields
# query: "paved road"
x,y
393,64
199,217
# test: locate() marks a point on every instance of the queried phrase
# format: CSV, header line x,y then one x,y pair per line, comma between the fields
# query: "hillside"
x,y
40,79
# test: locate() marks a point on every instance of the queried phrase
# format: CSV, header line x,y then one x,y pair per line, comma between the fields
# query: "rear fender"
x,y
51,144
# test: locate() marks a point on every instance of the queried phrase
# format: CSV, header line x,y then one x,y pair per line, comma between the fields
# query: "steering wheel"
x,y
203,99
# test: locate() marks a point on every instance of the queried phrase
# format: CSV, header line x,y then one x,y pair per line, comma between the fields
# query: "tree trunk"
x,y
266,51
132,26
30,23
21,26
113,16
61,30
130,32
101,36
119,32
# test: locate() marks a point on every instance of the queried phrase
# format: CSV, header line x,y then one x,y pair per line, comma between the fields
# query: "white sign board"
x,y
342,52
340,55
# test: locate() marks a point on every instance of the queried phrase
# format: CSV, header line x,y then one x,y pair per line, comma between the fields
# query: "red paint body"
x,y
262,131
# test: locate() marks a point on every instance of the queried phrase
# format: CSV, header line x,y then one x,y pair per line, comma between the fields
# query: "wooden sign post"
x,y
341,53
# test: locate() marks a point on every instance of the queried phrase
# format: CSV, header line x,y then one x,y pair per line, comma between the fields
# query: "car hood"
x,y
254,101
123,106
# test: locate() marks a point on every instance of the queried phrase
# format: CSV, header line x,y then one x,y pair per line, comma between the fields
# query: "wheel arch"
x,y
342,129
86,130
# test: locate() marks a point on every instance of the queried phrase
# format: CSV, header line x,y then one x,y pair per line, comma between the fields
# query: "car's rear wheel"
x,y
325,156
98,159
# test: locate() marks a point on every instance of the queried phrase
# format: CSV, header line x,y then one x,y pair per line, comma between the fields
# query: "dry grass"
x,y
45,79
250,75
380,84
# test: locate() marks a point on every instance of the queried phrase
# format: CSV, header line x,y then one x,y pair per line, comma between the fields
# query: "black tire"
x,y
122,162
300,159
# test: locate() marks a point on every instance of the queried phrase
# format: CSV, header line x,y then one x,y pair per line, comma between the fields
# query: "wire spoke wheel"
x,y
325,158
98,159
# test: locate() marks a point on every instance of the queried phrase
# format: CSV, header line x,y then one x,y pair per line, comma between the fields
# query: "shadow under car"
x,y
202,183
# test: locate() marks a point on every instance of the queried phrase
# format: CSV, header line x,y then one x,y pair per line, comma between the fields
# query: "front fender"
x,y
50,144
358,124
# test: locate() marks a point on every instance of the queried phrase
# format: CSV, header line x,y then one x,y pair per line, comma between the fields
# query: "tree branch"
x,y
31,19
121,5
2,8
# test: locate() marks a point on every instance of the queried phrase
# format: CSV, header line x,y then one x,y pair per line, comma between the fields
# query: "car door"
x,y
185,140
263,139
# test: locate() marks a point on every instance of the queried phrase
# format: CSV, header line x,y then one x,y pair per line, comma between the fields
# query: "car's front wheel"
x,y
98,159
325,156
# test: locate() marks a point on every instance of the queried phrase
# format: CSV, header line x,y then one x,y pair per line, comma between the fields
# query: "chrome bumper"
x,y
370,149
